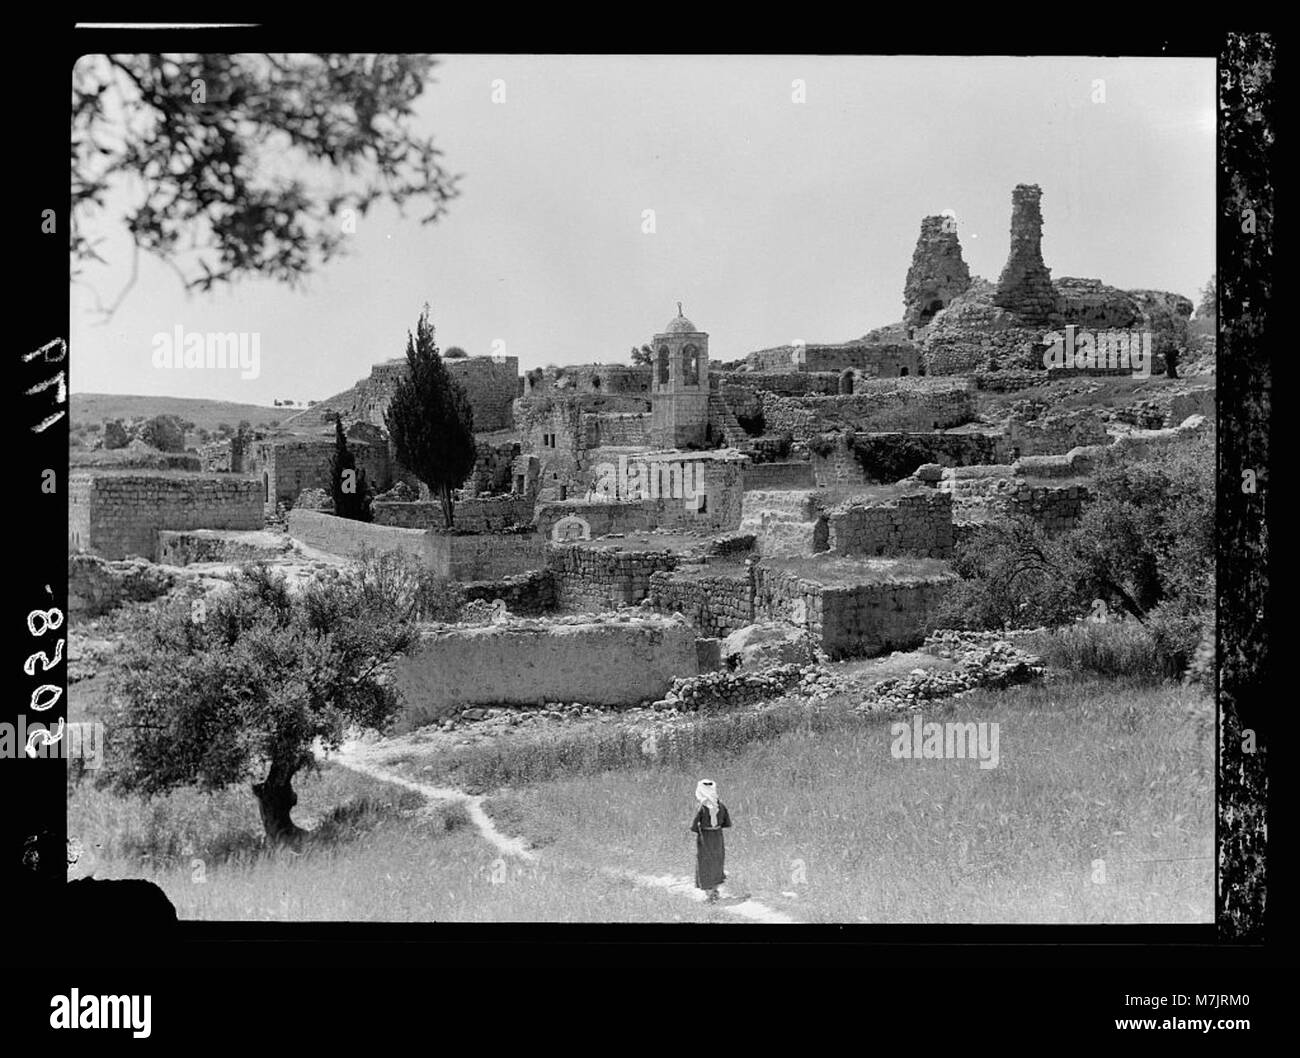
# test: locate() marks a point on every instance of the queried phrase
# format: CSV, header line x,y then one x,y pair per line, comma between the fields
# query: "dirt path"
x,y
362,757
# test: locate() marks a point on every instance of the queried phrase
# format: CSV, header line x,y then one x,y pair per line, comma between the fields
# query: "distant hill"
x,y
89,408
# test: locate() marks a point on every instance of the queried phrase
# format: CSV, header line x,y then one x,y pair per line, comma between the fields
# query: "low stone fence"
x,y
609,660
530,594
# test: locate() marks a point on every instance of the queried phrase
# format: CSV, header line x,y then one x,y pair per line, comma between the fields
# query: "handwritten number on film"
x,y
38,623
59,381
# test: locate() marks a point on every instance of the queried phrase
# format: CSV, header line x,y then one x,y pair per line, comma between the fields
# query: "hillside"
x,y
89,408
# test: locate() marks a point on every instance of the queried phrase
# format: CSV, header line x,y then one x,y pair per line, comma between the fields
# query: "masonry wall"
x,y
617,429
479,514
610,663
603,578
288,467
876,405
492,384
347,537
918,525
529,594
856,621
878,359
484,556
716,603
116,515
1053,435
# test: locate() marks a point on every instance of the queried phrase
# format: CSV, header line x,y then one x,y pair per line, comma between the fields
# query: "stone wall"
x,y
484,556
492,384
347,537
617,429
493,468
595,578
96,586
836,464
287,467
788,383
610,662
914,404
715,602
1052,434
871,358
113,514
186,547
479,514
620,379
1055,509
860,620
919,525
529,594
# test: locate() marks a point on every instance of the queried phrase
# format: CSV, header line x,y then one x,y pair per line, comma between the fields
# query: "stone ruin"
x,y
1025,286
938,273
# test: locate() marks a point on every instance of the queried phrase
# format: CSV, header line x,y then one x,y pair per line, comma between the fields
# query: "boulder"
x,y
761,646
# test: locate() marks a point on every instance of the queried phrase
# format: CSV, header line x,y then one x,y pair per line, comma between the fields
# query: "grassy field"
x,y
1101,810
1096,781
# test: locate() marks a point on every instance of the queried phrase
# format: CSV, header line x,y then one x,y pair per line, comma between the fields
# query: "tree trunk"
x,y
275,800
448,506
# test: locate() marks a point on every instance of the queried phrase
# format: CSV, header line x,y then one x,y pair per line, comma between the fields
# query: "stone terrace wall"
x,y
116,515
347,537
876,405
855,621
787,384
918,525
715,602
880,359
484,556
611,662
603,578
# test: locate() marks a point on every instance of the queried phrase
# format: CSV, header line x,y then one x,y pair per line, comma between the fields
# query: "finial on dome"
x,y
679,308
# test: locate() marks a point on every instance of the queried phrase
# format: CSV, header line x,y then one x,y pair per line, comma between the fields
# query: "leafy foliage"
x,y
1144,547
223,146
247,689
431,421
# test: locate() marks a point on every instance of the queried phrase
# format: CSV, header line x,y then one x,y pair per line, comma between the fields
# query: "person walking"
x,y
710,853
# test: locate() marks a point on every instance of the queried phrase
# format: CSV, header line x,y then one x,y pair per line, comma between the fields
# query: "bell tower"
x,y
679,391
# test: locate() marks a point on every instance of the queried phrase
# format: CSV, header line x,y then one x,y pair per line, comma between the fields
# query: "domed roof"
x,y
679,324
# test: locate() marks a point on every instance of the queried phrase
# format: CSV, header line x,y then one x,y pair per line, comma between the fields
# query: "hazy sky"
x,y
775,220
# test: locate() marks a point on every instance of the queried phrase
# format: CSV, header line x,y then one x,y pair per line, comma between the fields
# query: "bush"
x,y
400,582
1119,648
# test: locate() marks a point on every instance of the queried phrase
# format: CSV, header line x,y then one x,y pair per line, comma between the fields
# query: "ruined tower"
x,y
938,273
1025,287
679,390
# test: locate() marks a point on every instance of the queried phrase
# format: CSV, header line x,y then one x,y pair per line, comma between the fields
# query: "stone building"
x,y
679,395
1025,286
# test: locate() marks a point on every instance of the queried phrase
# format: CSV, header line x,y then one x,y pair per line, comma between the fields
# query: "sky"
x,y
775,220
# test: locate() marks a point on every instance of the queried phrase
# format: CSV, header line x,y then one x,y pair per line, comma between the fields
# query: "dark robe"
x,y
709,851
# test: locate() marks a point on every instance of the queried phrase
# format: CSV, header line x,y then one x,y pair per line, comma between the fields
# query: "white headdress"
x,y
706,792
